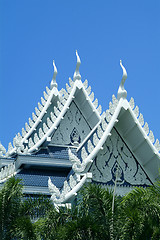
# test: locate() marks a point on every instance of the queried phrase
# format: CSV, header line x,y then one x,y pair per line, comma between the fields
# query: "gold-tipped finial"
x,y
122,93
53,82
77,75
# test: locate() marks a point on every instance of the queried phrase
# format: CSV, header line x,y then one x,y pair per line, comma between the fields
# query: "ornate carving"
x,y
72,182
99,109
99,131
64,132
2,150
23,132
27,127
49,123
30,143
157,145
68,88
122,93
19,136
41,133
90,146
104,124
95,103
71,82
77,166
116,159
75,137
60,106
56,111
77,75
84,154
136,111
10,147
146,128
30,122
37,111
95,139
45,128
40,106
108,116
151,136
114,100
53,117
92,96
88,90
141,119
131,102
63,101
54,191
48,90
45,95
53,83
43,101
65,94
85,84
36,138
7,171
34,117
111,108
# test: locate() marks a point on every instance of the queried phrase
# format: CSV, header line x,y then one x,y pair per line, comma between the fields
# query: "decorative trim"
x,y
70,188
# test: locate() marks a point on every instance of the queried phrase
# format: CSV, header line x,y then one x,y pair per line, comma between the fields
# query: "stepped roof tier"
x,y
69,141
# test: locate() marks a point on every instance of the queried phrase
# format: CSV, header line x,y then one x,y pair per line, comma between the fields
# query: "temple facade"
x,y
69,141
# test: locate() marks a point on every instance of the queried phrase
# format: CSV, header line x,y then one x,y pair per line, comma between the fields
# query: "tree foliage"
x,y
135,216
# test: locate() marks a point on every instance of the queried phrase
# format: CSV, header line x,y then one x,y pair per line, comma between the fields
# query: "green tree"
x,y
17,214
141,212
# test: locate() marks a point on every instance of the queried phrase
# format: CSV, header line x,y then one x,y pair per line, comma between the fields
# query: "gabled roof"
x,y
124,116
51,111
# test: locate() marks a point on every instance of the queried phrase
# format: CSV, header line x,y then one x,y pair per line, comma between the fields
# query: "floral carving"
x,y
131,103
85,84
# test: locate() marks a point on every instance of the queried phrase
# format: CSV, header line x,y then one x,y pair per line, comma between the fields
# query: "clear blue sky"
x,y
34,32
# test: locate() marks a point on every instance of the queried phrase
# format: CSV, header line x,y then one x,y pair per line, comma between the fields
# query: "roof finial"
x,y
122,93
53,82
77,75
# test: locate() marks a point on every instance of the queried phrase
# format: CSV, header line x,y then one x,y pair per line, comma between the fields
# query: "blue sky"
x,y
34,32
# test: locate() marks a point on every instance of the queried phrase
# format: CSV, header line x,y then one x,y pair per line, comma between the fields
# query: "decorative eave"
x,y
110,119
32,139
115,118
50,96
62,107
69,189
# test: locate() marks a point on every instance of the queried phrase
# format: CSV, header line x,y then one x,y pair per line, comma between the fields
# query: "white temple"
x,y
69,141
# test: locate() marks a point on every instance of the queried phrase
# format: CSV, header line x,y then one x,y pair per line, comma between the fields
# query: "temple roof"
x,y
71,160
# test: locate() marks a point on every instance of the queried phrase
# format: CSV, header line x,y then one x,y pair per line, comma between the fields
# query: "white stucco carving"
x,y
151,136
77,75
85,84
34,117
115,156
37,111
122,93
40,106
73,127
88,90
53,82
136,111
2,150
131,102
43,101
92,96
95,139
45,95
27,127
95,103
